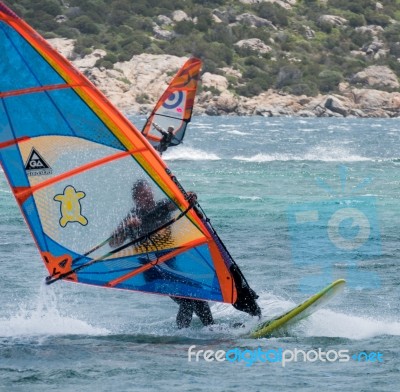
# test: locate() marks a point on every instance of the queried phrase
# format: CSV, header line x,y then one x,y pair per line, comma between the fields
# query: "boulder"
x,y
61,19
332,20
254,44
228,16
287,4
161,33
211,110
226,102
163,20
64,46
90,60
373,47
254,21
377,103
179,16
377,76
308,32
334,105
372,29
371,99
218,82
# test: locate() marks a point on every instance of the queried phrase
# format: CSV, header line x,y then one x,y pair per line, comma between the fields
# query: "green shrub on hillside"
x,y
306,56
329,80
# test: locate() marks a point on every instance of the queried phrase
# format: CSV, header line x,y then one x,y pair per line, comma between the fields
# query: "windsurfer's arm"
x,y
192,197
171,206
193,201
121,233
159,129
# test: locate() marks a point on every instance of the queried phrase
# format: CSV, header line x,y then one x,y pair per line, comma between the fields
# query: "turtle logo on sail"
x,y
36,165
70,206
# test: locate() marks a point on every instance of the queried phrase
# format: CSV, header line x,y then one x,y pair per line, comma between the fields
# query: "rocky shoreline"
x,y
134,87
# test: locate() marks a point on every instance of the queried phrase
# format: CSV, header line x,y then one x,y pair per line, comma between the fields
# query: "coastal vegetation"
x,y
297,47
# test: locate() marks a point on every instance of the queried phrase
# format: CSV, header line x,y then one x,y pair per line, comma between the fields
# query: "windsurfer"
x,y
146,216
166,138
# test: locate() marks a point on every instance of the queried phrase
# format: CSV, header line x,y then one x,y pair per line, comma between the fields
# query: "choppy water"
x,y
250,175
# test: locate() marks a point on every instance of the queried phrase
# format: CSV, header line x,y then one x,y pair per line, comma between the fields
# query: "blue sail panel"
x,y
21,66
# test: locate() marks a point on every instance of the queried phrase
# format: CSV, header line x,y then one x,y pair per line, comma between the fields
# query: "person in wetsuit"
x,y
146,216
166,138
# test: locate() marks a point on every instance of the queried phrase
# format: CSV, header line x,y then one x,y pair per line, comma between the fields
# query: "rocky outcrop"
x,y
375,49
134,86
179,16
378,77
254,44
64,46
332,20
230,17
217,82
163,20
335,105
161,33
308,32
287,4
89,61
254,21
371,29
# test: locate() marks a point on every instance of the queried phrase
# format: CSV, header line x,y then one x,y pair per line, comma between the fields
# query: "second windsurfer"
x,y
166,139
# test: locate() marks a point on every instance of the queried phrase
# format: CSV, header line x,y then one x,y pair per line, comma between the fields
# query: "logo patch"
x,y
71,206
36,165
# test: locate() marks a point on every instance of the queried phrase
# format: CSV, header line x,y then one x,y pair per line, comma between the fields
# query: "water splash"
x,y
184,153
42,317
332,324
329,323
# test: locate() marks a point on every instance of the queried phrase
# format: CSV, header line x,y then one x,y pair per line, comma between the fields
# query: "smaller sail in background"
x,y
174,108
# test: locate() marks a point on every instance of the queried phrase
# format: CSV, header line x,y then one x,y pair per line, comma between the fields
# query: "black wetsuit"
x,y
165,141
150,221
189,306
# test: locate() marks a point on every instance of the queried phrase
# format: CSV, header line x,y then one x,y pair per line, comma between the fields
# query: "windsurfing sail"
x,y
73,162
174,108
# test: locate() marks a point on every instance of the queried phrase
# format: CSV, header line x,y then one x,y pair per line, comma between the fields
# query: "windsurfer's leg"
x,y
185,312
203,312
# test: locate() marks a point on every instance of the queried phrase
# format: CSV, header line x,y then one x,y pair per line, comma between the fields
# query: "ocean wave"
x,y
184,153
238,133
253,198
202,126
317,154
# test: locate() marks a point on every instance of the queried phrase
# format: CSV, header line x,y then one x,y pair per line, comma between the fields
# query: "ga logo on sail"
x,y
36,165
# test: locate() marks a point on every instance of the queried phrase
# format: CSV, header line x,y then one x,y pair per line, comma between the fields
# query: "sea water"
x,y
298,203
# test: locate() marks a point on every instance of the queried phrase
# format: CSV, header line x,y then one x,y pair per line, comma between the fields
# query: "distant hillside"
x,y
294,46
